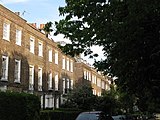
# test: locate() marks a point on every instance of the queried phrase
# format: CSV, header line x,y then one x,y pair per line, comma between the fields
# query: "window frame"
x,y
56,57
56,81
50,86
18,79
50,55
5,78
71,65
68,64
32,42
40,49
40,78
31,77
18,37
63,63
6,31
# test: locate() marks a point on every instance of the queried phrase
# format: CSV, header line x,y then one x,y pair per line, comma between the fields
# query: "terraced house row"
x,y
31,62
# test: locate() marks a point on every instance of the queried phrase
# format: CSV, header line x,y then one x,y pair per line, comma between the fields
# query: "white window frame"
x,y
71,65
64,85
56,57
50,81
39,78
103,84
67,83
67,64
18,37
5,68
6,31
85,74
50,55
40,49
31,77
32,44
56,81
94,92
94,79
63,63
71,84
17,71
89,76
57,102
99,82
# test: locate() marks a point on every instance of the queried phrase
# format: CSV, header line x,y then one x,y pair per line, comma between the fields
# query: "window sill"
x,y
17,81
4,80
6,39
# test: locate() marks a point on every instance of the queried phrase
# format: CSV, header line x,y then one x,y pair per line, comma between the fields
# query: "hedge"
x,y
19,106
59,114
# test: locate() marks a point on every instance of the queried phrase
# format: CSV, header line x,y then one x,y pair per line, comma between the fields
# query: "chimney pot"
x,y
17,13
42,26
33,24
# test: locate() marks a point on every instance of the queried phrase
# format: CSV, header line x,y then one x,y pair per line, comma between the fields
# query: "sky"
x,y
41,12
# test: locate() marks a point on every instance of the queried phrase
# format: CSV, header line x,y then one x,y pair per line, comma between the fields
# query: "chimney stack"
x,y
17,13
42,26
33,24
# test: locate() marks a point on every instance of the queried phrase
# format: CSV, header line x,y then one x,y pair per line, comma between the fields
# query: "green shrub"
x,y
19,106
59,114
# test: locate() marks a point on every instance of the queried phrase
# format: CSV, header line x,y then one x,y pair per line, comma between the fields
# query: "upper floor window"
x,y
94,79
68,64
56,81
31,77
98,82
40,79
31,45
71,66
56,57
103,85
17,71
4,68
89,76
18,37
40,49
6,31
63,63
85,74
50,55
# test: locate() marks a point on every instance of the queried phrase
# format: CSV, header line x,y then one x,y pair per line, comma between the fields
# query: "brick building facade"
x,y
31,62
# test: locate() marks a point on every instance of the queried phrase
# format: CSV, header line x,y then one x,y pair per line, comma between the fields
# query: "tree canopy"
x,y
81,97
129,31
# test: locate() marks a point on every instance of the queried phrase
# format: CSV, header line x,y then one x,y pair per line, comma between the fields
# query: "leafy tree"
x,y
128,30
81,97
47,28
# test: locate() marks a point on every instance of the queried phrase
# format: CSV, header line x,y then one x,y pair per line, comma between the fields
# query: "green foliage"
x,y
128,30
47,28
19,106
81,98
59,115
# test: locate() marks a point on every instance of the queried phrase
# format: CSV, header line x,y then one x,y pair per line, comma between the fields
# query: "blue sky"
x,y
36,11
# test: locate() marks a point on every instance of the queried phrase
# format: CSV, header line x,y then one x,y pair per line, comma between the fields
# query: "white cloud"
x,y
60,37
12,1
